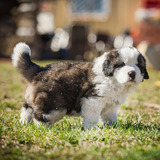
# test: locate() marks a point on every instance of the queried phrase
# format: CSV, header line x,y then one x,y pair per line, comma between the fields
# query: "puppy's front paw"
x,y
88,125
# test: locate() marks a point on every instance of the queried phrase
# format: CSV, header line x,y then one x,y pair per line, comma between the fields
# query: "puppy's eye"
x,y
119,65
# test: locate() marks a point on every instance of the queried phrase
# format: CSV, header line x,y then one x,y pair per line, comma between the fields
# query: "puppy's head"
x,y
126,65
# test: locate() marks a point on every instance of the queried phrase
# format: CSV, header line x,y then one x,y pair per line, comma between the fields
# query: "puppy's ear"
x,y
109,64
108,68
146,76
142,66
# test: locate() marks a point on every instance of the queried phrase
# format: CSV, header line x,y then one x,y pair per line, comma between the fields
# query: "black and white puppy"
x,y
93,90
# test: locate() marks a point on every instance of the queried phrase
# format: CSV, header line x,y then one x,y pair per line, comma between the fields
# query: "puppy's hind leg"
x,y
26,113
48,119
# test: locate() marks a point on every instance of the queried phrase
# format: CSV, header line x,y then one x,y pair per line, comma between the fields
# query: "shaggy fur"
x,y
92,89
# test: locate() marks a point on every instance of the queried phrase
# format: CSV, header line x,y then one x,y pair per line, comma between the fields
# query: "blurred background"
x,y
80,29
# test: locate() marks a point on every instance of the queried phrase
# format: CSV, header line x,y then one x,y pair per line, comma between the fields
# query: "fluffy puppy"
x,y
93,90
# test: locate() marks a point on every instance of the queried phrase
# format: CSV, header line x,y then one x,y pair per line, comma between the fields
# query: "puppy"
x,y
93,90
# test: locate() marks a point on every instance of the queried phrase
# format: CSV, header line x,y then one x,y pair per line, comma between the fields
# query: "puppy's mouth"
x,y
131,80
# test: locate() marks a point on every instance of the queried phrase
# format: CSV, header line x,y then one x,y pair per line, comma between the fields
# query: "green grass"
x,y
137,136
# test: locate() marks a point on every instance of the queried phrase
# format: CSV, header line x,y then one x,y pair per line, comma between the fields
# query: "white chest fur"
x,y
110,93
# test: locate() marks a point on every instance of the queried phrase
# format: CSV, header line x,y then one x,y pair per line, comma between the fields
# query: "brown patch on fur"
x,y
111,63
61,87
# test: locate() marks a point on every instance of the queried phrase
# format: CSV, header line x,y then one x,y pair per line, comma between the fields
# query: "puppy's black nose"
x,y
132,75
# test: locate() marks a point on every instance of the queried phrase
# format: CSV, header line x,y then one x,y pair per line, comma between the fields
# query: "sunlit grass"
x,y
137,135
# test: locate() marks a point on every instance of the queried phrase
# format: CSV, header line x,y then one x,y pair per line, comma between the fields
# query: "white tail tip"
x,y
19,49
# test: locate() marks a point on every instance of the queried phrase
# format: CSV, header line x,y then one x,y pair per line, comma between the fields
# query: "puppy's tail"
x,y
22,62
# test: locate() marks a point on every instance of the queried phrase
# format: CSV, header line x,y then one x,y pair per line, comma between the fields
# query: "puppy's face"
x,y
126,65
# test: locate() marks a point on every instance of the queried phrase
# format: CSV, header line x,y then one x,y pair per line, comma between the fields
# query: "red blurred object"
x,y
149,28
151,4
149,32
135,34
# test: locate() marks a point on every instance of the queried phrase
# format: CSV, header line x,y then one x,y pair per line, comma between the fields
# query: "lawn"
x,y
137,135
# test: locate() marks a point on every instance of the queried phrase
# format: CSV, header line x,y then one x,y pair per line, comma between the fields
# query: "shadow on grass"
x,y
139,126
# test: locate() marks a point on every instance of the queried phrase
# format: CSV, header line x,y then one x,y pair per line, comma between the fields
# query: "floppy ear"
x,y
108,68
112,59
142,66
146,76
